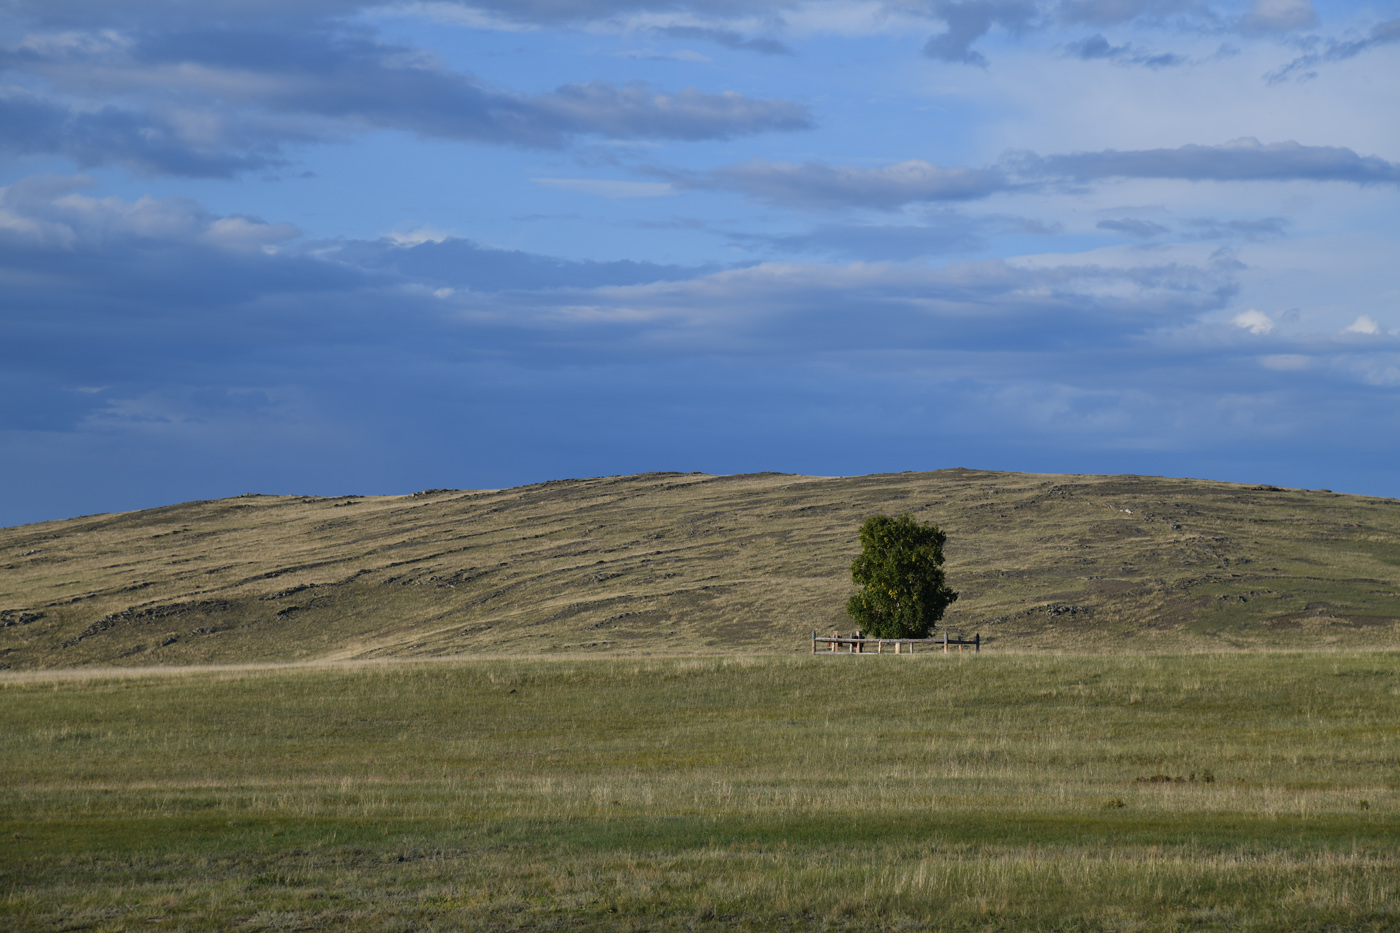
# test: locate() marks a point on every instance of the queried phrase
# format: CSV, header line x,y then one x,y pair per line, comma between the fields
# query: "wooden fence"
x,y
859,644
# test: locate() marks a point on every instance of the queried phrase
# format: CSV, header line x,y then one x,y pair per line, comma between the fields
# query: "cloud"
x,y
1097,47
157,259
632,111
1264,228
1363,325
1256,322
939,233
145,292
969,20
426,359
725,37
1139,229
148,142
1114,12
578,12
1241,160
215,101
1280,16
819,185
439,261
44,212
1334,50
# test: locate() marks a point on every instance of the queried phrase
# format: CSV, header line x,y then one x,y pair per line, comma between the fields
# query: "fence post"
x,y
814,641
945,641
978,642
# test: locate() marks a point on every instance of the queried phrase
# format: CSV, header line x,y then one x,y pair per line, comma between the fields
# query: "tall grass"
x,y
1239,792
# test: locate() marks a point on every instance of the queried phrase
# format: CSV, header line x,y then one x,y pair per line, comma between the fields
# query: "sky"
x,y
338,246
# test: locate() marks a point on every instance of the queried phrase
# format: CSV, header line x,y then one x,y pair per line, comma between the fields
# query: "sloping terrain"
x,y
663,563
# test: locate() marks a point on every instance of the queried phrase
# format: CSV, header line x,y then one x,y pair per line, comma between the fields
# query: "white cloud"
x,y
1363,325
1256,322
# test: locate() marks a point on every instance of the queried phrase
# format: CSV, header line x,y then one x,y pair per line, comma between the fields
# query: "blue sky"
x,y
332,246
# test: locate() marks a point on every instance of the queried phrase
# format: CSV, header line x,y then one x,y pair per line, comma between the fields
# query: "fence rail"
x,y
857,644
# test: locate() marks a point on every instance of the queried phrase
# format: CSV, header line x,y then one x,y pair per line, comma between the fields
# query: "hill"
x,y
681,563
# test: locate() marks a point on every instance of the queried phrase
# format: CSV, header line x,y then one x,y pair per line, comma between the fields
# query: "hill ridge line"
x,y
731,563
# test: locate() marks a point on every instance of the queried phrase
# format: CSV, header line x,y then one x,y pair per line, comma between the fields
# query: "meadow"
x,y
1002,791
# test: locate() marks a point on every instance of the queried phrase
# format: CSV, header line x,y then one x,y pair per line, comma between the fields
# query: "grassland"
x,y
1239,791
587,705
686,563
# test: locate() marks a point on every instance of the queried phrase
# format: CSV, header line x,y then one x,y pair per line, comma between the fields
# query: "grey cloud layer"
x,y
536,12
969,20
1114,12
815,185
1241,160
964,21
351,75
189,321
1334,50
460,263
157,260
1199,228
157,332
1097,47
966,18
1263,228
252,91
1133,227
148,142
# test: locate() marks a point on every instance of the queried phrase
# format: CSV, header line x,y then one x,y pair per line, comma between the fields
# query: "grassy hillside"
x,y
680,563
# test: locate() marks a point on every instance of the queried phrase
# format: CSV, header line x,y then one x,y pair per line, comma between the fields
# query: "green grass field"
x,y
1001,791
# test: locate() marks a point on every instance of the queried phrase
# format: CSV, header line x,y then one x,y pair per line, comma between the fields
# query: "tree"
x,y
900,574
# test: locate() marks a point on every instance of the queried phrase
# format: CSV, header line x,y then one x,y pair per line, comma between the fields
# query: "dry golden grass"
x,y
687,563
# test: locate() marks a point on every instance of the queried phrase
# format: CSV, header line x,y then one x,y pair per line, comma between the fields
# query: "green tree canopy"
x,y
902,592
